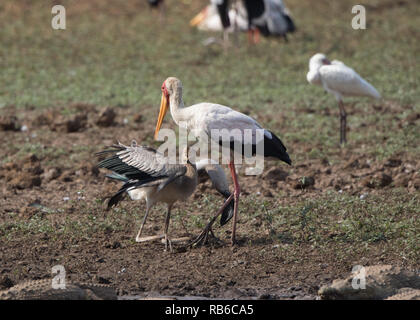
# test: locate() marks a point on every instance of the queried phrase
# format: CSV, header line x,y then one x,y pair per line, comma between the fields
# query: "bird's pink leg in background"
x,y
256,36
250,36
236,192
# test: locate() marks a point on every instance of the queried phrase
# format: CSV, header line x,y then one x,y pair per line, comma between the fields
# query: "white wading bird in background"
x,y
147,174
204,117
340,80
208,19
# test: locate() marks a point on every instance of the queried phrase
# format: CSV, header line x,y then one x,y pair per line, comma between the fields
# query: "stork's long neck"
x,y
178,111
314,66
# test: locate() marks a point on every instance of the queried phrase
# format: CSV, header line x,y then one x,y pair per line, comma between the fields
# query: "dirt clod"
x,y
380,180
46,118
304,182
276,174
393,162
5,283
51,174
106,117
138,118
24,174
412,118
9,123
75,123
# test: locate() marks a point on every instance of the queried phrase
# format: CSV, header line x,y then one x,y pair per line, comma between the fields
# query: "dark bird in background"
x,y
268,17
158,4
155,3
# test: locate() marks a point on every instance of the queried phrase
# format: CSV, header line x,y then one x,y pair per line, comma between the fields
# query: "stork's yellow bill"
x,y
164,106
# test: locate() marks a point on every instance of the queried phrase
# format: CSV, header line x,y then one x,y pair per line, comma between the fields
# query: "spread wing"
x,y
138,166
139,163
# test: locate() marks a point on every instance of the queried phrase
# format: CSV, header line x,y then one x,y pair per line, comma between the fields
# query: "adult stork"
x,y
206,118
218,18
340,80
147,174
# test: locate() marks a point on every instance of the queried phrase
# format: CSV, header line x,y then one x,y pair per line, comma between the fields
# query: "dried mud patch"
x,y
51,212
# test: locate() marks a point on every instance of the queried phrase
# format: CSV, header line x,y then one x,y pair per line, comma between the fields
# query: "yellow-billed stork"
x,y
205,117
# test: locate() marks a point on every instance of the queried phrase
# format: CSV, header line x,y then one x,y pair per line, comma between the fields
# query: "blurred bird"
x,y
155,3
270,17
148,174
340,80
160,5
206,118
209,19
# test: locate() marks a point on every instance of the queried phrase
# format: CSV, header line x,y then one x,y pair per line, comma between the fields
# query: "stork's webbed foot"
x,y
203,237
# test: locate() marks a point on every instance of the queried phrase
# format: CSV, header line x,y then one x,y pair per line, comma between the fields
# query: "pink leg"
x,y
202,237
256,36
250,36
236,192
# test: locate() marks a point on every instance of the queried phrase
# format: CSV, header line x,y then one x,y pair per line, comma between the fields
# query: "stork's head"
x,y
318,60
170,87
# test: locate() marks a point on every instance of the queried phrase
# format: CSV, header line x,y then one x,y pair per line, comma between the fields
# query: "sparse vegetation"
x,y
116,54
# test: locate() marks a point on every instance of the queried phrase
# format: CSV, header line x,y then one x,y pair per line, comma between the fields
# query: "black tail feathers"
x,y
275,148
117,197
227,213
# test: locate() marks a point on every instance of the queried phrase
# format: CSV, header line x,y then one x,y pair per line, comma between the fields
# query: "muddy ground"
x,y
51,213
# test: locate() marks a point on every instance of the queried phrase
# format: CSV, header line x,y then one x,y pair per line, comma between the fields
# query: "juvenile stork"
x,y
204,117
340,80
147,174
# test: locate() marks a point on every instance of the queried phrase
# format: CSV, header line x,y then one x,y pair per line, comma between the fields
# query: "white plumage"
x,y
208,19
204,118
340,80
276,18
